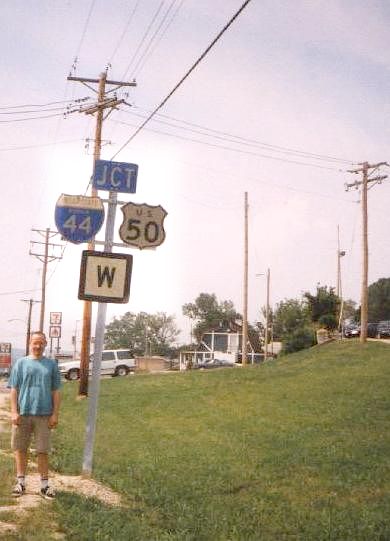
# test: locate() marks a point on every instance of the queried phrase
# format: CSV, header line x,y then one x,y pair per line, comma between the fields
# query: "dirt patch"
x,y
69,483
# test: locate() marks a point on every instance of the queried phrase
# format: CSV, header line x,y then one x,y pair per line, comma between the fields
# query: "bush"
x,y
297,340
328,321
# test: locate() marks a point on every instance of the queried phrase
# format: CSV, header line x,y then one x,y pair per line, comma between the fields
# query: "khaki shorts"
x,y
29,425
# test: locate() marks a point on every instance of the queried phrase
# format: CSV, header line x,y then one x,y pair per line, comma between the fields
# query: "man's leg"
x,y
20,462
42,439
43,465
20,439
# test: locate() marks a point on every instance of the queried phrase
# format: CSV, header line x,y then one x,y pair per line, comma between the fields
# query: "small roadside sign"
x,y
142,225
105,277
79,217
5,357
55,331
115,176
55,318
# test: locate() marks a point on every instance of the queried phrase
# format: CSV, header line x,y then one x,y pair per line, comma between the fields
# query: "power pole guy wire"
x,y
198,61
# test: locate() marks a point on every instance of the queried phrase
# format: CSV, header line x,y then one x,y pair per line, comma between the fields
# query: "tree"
x,y
379,300
323,307
143,333
292,325
208,313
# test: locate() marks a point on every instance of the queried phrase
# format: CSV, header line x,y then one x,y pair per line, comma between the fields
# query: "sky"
x,y
290,98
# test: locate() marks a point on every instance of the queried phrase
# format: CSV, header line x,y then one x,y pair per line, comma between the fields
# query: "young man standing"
x,y
35,402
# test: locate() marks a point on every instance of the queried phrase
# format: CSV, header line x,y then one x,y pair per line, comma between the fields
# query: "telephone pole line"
x,y
244,347
366,179
45,258
103,103
29,313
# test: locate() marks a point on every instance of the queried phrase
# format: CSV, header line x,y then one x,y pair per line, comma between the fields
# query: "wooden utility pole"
x,y
364,169
45,258
267,318
29,313
339,290
102,103
245,304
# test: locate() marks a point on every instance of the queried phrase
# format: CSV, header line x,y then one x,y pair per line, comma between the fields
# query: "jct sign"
x,y
115,176
142,225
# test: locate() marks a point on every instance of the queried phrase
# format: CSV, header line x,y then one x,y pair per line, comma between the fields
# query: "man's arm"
x,y
15,417
53,419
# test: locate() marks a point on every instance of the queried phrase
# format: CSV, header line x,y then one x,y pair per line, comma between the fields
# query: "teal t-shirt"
x,y
35,379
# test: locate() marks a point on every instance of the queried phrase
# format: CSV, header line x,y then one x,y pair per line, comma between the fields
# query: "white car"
x,y
115,362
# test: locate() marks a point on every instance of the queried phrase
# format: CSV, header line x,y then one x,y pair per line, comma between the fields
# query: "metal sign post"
x,y
97,357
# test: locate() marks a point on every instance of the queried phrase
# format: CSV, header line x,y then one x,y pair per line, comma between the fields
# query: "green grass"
x,y
295,449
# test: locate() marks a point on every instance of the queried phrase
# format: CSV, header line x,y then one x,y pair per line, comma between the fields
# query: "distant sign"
x,y
142,225
5,356
55,331
115,176
105,277
79,217
55,318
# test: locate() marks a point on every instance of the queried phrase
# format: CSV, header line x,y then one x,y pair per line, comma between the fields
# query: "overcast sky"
x,y
307,76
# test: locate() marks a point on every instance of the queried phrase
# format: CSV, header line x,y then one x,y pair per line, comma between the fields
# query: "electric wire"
x,y
143,39
31,111
223,147
42,104
119,43
158,40
187,74
224,136
27,147
152,40
19,292
32,118
83,33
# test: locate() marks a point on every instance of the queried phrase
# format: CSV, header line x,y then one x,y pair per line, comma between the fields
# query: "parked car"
x,y
351,331
115,362
383,329
372,330
215,363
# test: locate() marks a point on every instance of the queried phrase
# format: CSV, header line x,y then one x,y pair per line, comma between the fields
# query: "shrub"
x,y
297,340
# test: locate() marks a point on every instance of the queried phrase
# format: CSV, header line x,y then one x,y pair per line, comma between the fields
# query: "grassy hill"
x,y
298,449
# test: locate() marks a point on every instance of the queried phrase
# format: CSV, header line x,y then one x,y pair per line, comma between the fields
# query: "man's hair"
x,y
39,333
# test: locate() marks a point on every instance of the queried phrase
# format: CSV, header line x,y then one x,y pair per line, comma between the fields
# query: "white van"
x,y
115,362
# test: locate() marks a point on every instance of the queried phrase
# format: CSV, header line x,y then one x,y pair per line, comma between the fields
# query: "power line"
x,y
223,147
31,111
147,55
27,147
188,73
152,39
124,32
18,292
43,104
143,39
243,140
83,34
30,118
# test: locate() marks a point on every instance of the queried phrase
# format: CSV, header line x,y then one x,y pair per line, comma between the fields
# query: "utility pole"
x,y
366,179
110,103
45,258
339,291
245,304
267,318
30,305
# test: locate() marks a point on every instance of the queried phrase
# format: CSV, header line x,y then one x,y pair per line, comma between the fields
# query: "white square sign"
x,y
105,277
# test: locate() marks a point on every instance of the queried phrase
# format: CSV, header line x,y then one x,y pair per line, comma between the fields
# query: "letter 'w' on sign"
x,y
105,277
107,274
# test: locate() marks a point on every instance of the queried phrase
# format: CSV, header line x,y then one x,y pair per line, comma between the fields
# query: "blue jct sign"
x,y
115,176
78,218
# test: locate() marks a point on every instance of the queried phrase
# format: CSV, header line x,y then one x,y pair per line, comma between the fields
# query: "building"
x,y
224,343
